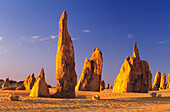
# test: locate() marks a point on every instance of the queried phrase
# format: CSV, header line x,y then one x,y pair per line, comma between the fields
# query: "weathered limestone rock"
x,y
168,83
9,88
1,82
157,80
91,74
163,81
134,75
13,98
65,64
107,86
6,83
40,88
96,97
102,85
28,83
153,94
111,87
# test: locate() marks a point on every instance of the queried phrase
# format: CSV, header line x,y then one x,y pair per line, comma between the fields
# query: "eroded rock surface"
x,y
134,75
168,83
6,83
40,88
91,74
65,63
102,85
163,81
107,86
28,83
157,80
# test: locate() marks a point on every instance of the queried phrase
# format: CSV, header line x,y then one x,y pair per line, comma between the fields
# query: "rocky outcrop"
x,y
157,80
168,83
40,88
111,87
163,81
107,86
65,64
134,75
28,83
6,83
102,85
91,74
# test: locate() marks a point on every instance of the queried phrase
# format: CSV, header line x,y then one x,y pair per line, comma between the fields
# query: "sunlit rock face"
x,y
91,74
28,83
168,83
40,88
65,63
157,80
163,81
6,83
107,86
102,85
134,75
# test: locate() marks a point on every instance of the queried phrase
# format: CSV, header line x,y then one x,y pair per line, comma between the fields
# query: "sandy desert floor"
x,y
126,102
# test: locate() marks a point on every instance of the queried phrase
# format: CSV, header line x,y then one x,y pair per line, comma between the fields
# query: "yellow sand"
x,y
109,102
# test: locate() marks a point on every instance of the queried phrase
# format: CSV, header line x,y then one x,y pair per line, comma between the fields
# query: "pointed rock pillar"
x,y
168,83
136,52
134,75
6,83
91,74
65,64
157,80
163,81
40,88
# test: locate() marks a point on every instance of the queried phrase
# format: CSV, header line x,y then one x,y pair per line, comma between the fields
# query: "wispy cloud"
x,y
35,37
54,36
86,31
75,38
129,36
161,42
1,38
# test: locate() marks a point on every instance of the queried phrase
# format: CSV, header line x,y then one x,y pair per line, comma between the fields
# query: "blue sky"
x,y
29,31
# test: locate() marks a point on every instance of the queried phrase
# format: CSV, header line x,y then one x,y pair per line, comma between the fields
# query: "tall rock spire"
x,y
136,52
65,64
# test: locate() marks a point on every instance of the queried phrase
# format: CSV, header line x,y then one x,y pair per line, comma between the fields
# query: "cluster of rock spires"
x,y
160,81
28,83
40,88
134,75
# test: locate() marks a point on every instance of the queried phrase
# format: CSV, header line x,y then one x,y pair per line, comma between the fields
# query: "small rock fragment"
x,y
97,97
153,94
159,95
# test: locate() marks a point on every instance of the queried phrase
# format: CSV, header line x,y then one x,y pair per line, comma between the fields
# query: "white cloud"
x,y
161,42
86,31
54,36
1,38
35,37
75,38
130,36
